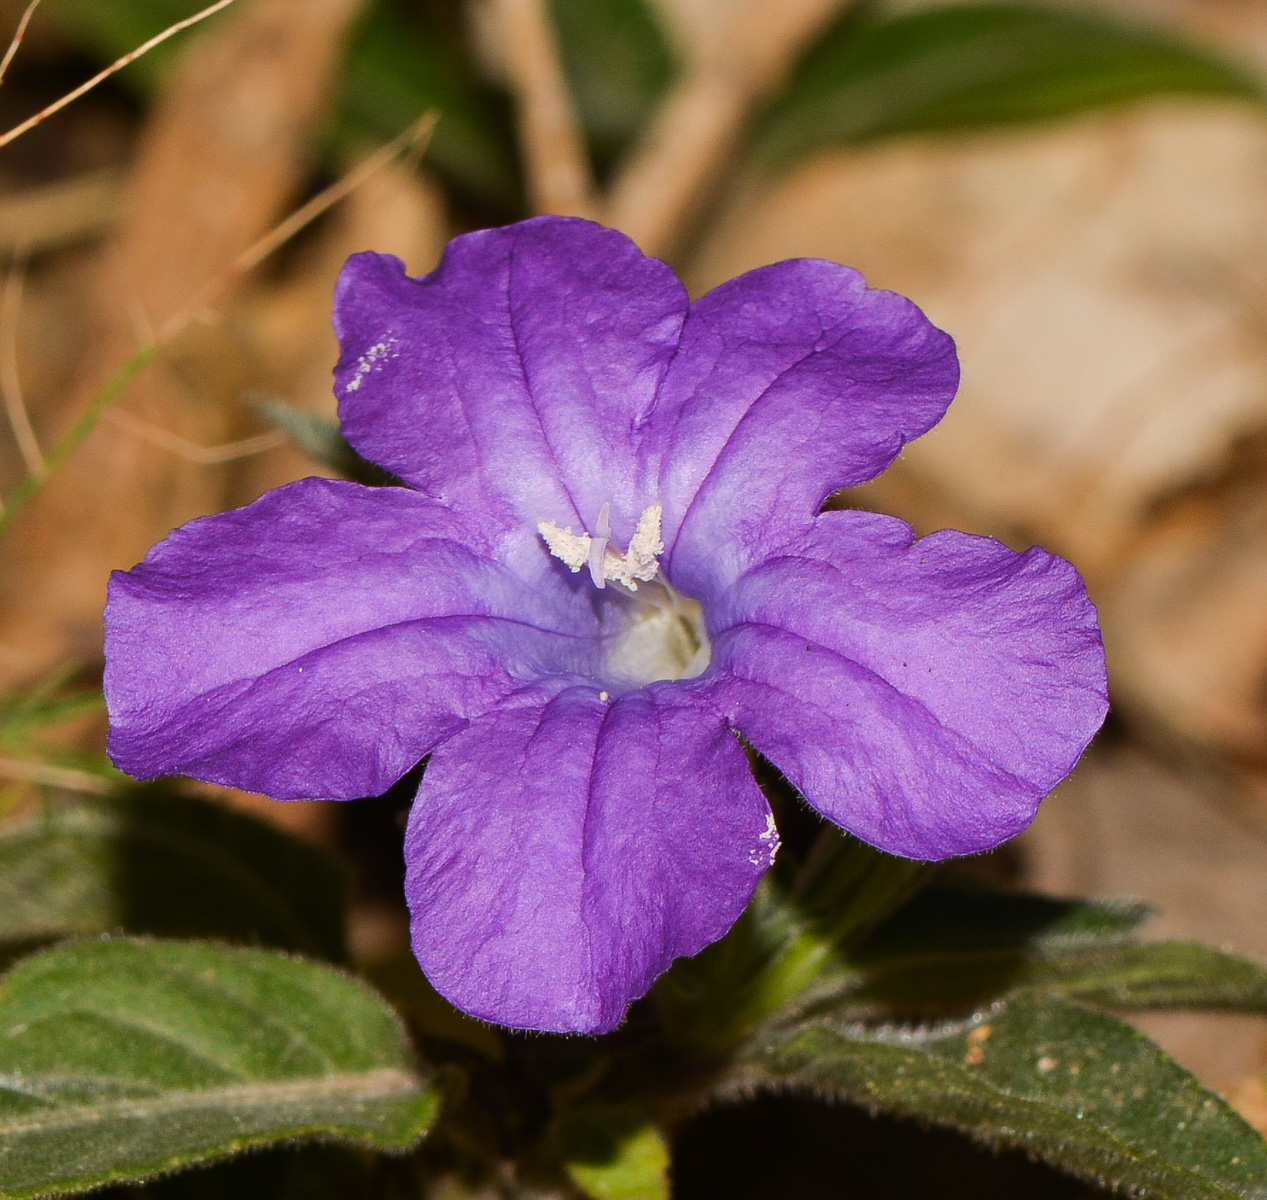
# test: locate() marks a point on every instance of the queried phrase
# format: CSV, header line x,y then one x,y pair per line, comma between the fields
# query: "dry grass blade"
x,y
205,456
669,176
17,38
49,776
414,138
10,382
31,122
81,429
557,162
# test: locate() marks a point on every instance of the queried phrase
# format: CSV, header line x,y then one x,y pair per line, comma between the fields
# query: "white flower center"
x,y
659,633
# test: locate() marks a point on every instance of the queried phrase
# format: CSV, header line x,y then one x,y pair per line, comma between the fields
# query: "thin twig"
x,y
417,134
560,179
251,257
50,776
10,381
204,456
87,422
31,122
17,38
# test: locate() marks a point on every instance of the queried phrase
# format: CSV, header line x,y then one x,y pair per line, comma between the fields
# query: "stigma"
x,y
606,562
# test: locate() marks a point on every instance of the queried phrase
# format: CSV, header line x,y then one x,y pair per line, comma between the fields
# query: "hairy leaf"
x,y
973,66
150,860
1161,975
1075,1087
613,1153
787,943
951,951
949,919
322,441
124,1059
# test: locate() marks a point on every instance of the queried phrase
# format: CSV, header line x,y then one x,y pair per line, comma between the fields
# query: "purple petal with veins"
x,y
608,564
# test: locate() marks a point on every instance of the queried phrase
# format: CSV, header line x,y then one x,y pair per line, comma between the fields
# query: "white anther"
x,y
646,546
568,547
639,564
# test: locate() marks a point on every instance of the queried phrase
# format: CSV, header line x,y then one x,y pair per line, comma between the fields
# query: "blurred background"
x,y
1077,193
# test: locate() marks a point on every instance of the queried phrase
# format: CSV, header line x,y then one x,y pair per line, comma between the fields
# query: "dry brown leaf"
x,y
1106,280
1129,824
1250,1100
224,151
1102,280
44,218
1186,619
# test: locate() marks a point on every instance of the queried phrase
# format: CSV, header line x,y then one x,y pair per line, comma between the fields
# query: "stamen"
x,y
640,563
598,547
568,547
659,635
647,546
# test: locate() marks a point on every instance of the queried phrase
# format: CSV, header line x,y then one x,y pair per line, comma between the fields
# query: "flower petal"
x,y
924,695
564,850
514,378
315,643
791,381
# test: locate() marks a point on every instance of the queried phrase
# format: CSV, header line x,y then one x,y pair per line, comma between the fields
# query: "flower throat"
x,y
662,632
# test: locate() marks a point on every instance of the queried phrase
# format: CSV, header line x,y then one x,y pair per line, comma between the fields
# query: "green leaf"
x,y
57,698
124,1059
1161,975
398,67
111,28
322,440
619,66
951,951
787,943
951,919
613,1153
1075,1087
974,66
150,860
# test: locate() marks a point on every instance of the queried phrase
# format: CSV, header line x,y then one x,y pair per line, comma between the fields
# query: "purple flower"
x,y
608,560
